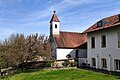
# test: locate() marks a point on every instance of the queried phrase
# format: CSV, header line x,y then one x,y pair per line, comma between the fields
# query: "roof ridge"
x,y
110,16
70,32
70,39
112,21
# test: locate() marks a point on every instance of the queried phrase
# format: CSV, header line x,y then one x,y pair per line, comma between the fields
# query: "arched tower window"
x,y
55,25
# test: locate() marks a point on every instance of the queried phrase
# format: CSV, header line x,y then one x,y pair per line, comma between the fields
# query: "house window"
x,y
55,25
99,24
103,41
92,42
118,39
117,65
77,55
102,23
104,63
93,62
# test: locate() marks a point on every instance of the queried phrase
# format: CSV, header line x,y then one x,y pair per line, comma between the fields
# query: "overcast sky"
x,y
33,16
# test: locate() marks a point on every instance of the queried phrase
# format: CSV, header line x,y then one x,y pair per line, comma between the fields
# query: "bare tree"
x,y
19,49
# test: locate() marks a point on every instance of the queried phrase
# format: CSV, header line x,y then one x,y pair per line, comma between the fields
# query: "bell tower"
x,y
54,25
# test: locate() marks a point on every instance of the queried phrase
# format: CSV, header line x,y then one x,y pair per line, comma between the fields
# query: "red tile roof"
x,y
54,18
112,21
70,39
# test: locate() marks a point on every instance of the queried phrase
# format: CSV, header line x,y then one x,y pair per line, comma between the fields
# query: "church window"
x,y
55,25
77,55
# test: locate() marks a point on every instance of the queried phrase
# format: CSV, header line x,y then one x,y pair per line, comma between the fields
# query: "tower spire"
x,y
54,25
54,17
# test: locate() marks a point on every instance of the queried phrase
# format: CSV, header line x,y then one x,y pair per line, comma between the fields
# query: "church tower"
x,y
54,25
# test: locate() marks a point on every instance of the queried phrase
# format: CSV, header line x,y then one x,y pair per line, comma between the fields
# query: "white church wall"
x,y
62,53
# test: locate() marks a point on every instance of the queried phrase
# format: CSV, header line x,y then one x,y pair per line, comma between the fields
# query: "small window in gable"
x,y
99,24
55,25
102,23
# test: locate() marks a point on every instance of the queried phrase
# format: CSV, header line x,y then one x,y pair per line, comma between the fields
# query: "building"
x,y
64,43
98,46
103,50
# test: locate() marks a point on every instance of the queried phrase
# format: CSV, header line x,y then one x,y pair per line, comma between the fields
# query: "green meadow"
x,y
62,74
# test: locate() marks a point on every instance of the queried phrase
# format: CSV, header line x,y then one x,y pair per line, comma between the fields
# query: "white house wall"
x,y
111,49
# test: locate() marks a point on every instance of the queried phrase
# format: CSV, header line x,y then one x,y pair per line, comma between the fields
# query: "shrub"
x,y
69,63
35,65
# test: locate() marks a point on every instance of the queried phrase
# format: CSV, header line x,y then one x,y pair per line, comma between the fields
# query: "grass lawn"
x,y
64,74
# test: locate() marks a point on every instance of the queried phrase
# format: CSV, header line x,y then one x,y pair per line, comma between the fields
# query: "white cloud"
x,y
75,2
38,15
75,15
35,24
67,3
6,31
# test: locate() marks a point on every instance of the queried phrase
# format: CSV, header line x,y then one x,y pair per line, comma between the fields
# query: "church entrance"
x,y
77,57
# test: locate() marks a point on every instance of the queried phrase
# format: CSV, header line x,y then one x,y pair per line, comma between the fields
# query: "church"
x,y
64,43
